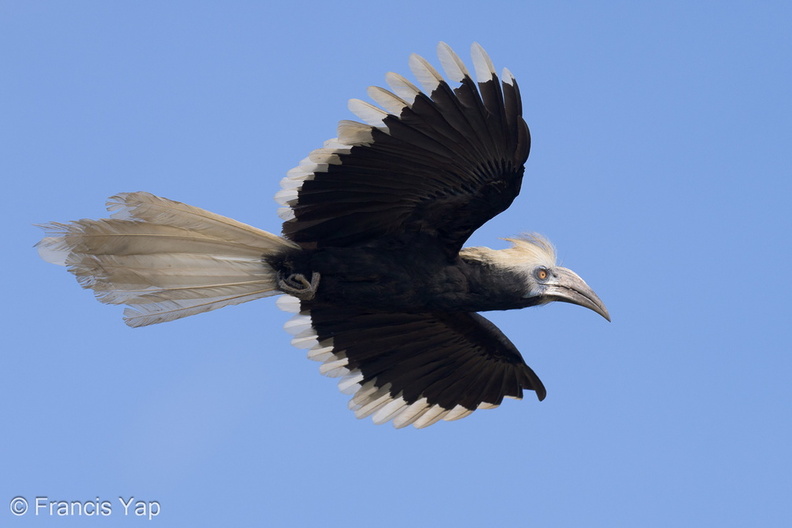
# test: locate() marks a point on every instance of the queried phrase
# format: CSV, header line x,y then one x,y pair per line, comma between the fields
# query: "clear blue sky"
x,y
660,169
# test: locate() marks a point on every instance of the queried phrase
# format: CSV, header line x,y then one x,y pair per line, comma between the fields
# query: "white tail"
x,y
165,259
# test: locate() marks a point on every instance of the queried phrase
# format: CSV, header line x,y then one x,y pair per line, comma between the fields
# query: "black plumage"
x,y
372,255
443,167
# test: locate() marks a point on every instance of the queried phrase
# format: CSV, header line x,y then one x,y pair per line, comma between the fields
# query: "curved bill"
x,y
569,287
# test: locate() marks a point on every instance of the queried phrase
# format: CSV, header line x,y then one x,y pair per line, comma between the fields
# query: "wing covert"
x,y
440,164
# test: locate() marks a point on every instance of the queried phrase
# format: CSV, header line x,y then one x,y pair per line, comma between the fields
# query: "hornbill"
x,y
371,259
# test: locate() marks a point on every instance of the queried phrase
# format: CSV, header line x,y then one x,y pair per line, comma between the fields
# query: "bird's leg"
x,y
296,284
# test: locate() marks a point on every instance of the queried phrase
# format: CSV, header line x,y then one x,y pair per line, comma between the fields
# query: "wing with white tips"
x,y
413,369
439,162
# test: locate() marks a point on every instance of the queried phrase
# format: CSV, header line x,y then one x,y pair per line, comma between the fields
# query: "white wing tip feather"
x,y
482,63
391,102
426,74
402,87
453,66
353,133
367,112
288,303
508,77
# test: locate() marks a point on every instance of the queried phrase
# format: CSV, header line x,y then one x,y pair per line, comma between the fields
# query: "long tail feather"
x,y
165,259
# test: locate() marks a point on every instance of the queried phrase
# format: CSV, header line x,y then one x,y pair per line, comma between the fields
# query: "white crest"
x,y
527,251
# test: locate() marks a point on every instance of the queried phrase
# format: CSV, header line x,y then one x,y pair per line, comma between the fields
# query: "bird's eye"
x,y
542,273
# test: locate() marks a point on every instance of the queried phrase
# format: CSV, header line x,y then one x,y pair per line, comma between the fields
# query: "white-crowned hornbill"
x,y
371,257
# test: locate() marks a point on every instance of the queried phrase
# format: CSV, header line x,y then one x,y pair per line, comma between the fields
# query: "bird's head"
x,y
533,259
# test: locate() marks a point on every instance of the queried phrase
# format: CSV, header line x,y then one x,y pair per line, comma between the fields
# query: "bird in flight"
x,y
371,258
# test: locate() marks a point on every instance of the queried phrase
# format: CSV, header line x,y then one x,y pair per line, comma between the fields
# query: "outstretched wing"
x,y
412,368
440,164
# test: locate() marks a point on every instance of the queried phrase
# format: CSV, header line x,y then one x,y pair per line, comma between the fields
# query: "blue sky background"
x,y
660,169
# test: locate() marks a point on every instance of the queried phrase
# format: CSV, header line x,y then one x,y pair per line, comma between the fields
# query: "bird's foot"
x,y
296,284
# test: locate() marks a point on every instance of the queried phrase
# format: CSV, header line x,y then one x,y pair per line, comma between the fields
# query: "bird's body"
x,y
416,277
372,261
